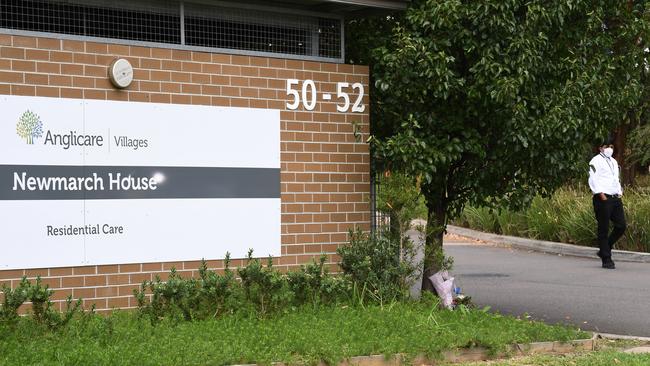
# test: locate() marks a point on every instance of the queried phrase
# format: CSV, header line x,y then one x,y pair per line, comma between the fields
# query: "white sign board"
x,y
87,182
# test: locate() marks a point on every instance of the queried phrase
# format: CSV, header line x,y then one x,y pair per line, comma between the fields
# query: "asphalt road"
x,y
555,289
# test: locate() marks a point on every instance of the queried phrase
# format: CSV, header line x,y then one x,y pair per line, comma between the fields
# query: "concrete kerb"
x,y
468,355
644,348
481,354
624,337
546,246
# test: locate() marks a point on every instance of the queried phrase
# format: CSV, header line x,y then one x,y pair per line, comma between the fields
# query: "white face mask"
x,y
608,152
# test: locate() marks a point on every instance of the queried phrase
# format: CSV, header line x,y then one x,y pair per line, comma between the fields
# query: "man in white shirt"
x,y
606,187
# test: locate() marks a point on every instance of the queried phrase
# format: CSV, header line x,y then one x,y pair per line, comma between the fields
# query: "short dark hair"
x,y
609,140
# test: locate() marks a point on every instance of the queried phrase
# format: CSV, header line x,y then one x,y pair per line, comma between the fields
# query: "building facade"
x,y
277,66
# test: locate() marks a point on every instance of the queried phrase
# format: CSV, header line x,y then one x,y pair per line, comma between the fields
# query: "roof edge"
x,y
381,4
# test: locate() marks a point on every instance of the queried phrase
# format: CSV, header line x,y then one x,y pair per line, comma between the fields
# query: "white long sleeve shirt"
x,y
603,175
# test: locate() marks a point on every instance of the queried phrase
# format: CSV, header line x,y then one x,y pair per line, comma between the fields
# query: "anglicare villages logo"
x,y
29,127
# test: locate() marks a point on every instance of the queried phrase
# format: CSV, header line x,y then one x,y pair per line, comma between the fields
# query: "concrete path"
x,y
545,246
644,349
554,288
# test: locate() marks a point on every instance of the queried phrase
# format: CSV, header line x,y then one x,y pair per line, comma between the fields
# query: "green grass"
x,y
602,358
305,335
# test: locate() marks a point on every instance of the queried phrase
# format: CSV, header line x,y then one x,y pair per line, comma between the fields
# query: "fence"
x,y
378,220
220,27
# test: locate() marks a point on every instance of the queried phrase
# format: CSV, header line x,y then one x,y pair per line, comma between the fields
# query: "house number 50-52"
x,y
308,96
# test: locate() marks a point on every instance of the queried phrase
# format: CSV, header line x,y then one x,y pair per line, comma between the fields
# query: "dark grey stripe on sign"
x,y
62,182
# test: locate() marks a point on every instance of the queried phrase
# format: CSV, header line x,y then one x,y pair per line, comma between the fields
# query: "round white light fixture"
x,y
121,73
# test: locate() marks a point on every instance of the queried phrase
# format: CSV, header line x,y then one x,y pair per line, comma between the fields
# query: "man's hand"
x,y
603,197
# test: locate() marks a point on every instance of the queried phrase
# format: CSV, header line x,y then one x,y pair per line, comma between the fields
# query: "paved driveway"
x,y
555,288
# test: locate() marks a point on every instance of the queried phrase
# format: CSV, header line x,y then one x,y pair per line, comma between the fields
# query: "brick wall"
x,y
324,170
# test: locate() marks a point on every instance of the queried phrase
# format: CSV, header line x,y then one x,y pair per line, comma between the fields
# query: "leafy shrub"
x,y
13,299
512,222
335,290
637,235
542,219
260,290
218,293
313,285
577,221
378,266
177,297
264,287
480,218
40,297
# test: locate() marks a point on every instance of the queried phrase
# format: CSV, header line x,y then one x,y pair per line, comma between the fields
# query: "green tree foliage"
x,y
399,196
491,102
639,144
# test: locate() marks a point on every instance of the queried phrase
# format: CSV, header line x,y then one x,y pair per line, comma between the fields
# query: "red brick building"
x,y
280,56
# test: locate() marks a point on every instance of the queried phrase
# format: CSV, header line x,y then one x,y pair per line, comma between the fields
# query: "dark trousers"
x,y
610,209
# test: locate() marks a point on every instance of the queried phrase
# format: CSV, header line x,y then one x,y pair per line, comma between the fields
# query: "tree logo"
x,y
29,127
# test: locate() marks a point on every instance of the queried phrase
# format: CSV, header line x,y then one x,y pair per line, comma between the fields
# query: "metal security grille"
x,y
263,31
182,24
329,37
139,21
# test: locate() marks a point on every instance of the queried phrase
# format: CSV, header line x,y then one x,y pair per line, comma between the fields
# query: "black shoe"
x,y
609,265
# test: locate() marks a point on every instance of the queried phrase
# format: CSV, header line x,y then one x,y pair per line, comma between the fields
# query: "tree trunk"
x,y
627,170
436,224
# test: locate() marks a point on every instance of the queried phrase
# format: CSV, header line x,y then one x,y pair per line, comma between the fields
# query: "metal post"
x,y
341,41
373,204
182,11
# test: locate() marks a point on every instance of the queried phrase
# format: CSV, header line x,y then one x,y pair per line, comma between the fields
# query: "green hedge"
x,y
566,217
